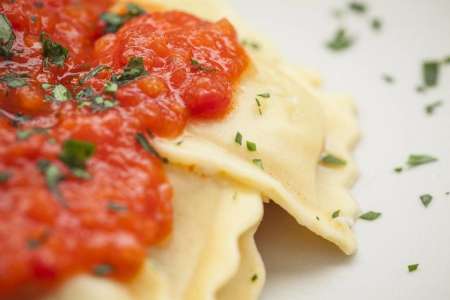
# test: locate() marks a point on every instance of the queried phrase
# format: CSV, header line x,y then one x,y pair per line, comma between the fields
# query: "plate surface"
x,y
394,125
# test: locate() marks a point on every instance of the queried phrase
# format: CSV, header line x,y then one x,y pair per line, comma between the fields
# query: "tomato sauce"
x,y
82,92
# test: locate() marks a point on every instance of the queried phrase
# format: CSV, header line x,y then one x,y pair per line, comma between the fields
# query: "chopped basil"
x,y
251,44
238,138
7,37
52,176
388,78
75,154
111,87
358,7
317,218
92,73
413,268
14,80
398,169
197,65
264,95
370,216
134,69
142,140
179,143
88,97
415,160
102,270
60,93
53,52
430,71
258,104
258,162
251,146
116,207
254,277
426,199
336,214
114,21
332,160
340,41
4,176
27,133
376,24
430,108
85,95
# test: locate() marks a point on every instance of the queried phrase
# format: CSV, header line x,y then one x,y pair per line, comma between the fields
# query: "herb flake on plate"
x,y
370,216
413,268
340,41
426,199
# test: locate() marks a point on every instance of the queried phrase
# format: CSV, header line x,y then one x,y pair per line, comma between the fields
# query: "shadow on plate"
x,y
288,248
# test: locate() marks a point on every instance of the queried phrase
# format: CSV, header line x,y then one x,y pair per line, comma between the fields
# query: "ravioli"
x,y
219,189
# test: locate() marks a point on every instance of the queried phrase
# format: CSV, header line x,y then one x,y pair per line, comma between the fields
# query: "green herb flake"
x,y
60,93
398,169
413,268
251,146
358,7
258,162
370,216
264,95
75,154
238,138
340,41
92,73
113,21
141,139
7,37
251,44
430,108
430,72
111,87
388,78
4,176
25,134
197,65
332,161
447,60
376,24
102,270
134,69
116,207
336,214
53,52
254,277
258,104
426,199
14,80
415,160
52,176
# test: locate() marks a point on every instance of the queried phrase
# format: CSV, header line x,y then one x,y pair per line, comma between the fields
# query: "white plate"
x,y
394,125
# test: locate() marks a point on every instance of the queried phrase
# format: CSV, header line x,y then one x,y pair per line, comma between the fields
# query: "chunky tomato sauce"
x,y
82,92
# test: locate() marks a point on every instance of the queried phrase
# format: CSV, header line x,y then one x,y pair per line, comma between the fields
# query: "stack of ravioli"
x,y
220,186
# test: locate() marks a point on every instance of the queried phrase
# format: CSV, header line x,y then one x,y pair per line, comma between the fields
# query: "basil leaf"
x,y
336,214
430,71
52,176
142,140
238,138
116,207
415,160
376,24
251,146
413,268
426,199
75,153
7,37
114,21
332,161
53,52
358,7
134,69
430,108
370,216
340,41
14,80
258,162
388,78
25,134
111,87
254,277
92,73
61,93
